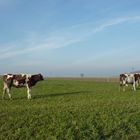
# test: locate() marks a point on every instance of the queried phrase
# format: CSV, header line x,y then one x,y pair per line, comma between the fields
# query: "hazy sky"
x,y
69,37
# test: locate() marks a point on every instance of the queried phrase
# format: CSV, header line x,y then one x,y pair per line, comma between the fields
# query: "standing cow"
x,y
126,79
137,79
18,81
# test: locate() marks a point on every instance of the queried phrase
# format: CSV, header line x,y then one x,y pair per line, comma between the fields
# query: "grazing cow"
x,y
18,81
126,79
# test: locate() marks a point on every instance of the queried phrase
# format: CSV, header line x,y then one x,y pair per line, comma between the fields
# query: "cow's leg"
x,y
29,92
6,90
137,83
123,88
134,86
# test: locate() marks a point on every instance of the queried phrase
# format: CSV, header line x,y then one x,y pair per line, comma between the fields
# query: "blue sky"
x,y
70,37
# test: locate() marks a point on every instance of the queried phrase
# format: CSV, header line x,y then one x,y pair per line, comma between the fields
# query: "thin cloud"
x,y
13,50
114,22
59,40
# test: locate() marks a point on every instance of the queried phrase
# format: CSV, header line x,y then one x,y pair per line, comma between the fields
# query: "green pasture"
x,y
67,109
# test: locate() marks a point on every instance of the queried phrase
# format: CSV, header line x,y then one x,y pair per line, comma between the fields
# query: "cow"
x,y
137,79
132,78
18,81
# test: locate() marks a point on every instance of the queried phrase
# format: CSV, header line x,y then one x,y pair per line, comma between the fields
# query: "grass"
x,y
71,110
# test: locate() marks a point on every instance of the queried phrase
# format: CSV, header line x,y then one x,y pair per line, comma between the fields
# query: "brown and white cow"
x,y
132,78
18,81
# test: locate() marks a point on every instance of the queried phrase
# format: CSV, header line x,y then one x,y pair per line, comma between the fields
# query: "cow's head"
x,y
137,76
41,77
123,79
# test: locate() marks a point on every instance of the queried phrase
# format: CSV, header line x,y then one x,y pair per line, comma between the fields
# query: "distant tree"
x,y
82,75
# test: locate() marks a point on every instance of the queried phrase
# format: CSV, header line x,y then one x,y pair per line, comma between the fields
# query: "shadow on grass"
x,y
43,95
60,94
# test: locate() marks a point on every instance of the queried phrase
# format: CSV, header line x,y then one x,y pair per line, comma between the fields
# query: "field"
x,y
71,109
